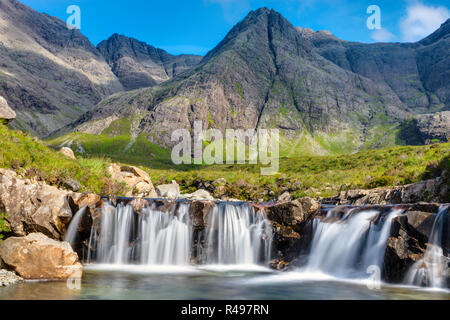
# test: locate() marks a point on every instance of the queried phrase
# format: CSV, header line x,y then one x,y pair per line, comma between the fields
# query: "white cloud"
x,y
422,20
382,35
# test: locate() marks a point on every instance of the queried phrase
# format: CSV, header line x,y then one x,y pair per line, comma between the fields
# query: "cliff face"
x,y
139,65
50,75
264,74
415,72
325,94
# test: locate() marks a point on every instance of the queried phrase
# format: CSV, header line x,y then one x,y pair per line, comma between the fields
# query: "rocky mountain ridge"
x,y
322,92
139,65
50,75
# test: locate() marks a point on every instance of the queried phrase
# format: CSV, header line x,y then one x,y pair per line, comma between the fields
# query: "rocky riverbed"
x,y
39,215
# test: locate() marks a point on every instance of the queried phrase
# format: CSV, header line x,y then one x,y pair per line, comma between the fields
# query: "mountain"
x,y
417,73
264,74
49,75
139,65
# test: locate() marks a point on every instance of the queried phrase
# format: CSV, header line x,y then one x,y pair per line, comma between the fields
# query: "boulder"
x,y
87,200
200,195
293,212
68,153
286,196
292,227
6,113
407,243
220,191
34,206
138,204
279,264
170,191
198,212
137,180
434,126
432,190
137,173
72,185
39,257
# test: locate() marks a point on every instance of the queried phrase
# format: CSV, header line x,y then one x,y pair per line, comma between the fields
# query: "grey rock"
x,y
432,190
72,185
139,65
68,153
434,127
265,73
6,113
49,74
170,191
286,196
200,195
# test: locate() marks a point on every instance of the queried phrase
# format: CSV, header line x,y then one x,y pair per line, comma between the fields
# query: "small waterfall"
x,y
165,238
346,247
114,240
234,234
72,230
431,270
237,234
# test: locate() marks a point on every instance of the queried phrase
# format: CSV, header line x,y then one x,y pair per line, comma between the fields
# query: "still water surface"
x,y
208,282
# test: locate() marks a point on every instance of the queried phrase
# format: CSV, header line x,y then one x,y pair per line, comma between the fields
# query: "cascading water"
x,y
431,270
346,247
234,234
165,238
238,235
72,230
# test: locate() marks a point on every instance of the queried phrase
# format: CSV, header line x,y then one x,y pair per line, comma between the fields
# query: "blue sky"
x,y
196,26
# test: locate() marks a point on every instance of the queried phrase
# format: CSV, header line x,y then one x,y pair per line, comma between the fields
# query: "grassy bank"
x,y
308,175
32,158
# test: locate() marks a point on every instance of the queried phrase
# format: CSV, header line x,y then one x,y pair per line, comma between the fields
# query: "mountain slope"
x,y
418,73
264,74
50,75
139,65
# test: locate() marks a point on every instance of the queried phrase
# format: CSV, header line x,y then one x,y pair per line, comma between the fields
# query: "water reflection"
x,y
207,283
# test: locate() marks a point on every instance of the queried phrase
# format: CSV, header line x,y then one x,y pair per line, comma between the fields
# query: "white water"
x,y
238,237
237,234
72,230
430,270
165,238
347,247
114,239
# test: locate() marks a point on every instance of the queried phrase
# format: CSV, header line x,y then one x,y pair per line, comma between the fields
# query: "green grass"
x,y
4,228
25,154
300,175
324,176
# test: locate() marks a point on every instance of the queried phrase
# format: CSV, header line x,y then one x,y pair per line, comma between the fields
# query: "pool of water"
x,y
208,282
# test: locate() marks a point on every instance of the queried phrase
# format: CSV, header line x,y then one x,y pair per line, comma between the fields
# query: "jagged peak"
x,y
308,32
260,18
440,33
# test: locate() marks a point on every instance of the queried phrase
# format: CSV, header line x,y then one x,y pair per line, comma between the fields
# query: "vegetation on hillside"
x,y
307,175
33,159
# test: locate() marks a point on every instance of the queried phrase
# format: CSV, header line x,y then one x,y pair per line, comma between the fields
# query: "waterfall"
x,y
114,239
72,230
346,247
238,234
430,270
165,238
234,234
